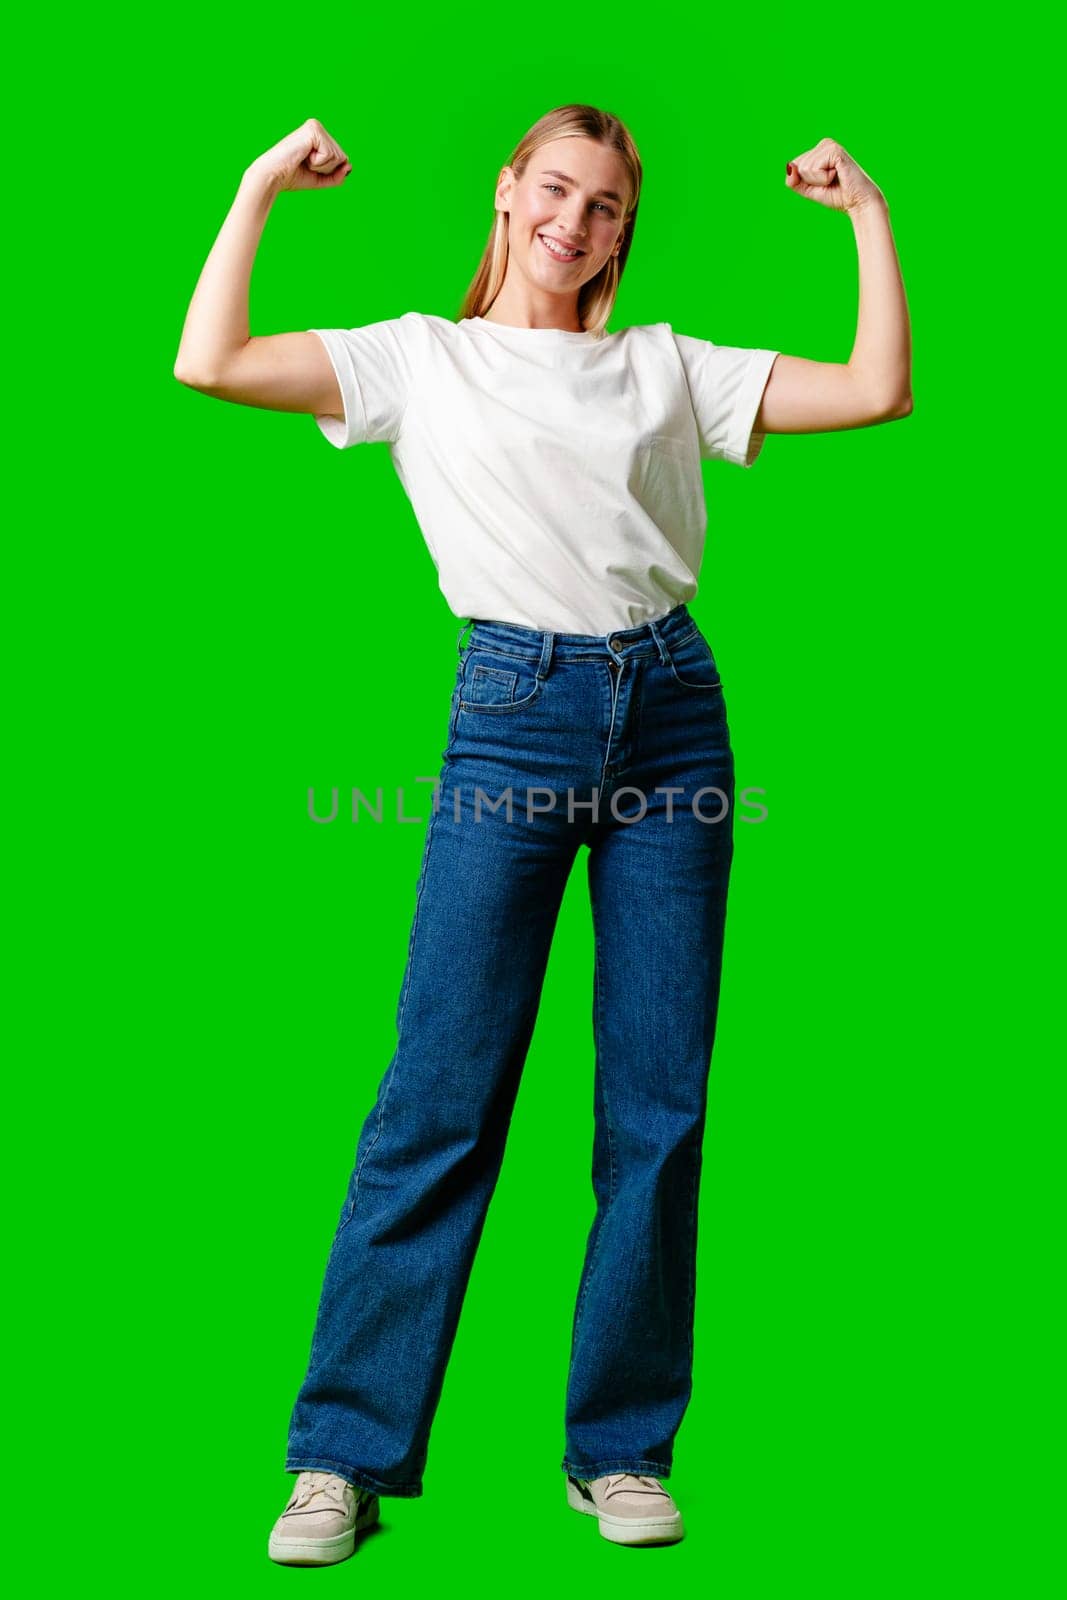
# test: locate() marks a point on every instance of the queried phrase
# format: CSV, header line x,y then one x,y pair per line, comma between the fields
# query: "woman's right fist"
x,y
305,159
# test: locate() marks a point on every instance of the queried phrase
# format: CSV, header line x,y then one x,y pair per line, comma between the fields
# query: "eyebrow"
x,y
610,193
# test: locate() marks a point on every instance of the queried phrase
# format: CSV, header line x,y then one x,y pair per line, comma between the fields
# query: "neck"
x,y
519,307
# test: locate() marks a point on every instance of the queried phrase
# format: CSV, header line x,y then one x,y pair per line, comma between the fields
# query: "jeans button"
x,y
615,644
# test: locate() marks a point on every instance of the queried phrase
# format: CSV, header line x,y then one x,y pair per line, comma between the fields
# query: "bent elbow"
x,y
903,408
189,379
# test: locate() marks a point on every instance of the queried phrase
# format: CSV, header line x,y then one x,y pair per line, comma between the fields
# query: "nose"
x,y
578,231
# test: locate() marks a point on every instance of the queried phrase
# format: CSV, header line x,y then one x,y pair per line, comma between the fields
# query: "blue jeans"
x,y
635,722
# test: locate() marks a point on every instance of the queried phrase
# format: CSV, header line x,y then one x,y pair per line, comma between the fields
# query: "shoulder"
x,y
647,341
410,327
427,324
651,346
644,333
418,324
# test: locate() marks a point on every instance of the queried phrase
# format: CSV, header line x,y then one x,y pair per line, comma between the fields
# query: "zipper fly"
x,y
610,766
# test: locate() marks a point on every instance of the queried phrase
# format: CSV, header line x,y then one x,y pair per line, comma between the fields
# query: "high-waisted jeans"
x,y
618,742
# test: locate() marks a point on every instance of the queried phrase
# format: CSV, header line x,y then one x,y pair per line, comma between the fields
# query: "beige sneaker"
x,y
630,1507
320,1523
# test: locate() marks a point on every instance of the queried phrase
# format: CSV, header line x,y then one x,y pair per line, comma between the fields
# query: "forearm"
x,y
216,323
881,354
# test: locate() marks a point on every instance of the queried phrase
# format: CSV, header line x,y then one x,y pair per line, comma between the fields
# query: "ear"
x,y
503,188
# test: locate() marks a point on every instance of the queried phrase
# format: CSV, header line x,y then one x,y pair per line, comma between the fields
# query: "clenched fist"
x,y
305,159
829,175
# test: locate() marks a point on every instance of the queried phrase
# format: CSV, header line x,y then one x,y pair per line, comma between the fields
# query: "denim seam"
x,y
494,675
692,1262
493,672
457,697
504,706
610,1143
613,691
708,688
597,1469
364,1480
561,653
499,650
637,702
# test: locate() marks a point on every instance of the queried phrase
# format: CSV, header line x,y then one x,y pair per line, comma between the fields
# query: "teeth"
x,y
564,255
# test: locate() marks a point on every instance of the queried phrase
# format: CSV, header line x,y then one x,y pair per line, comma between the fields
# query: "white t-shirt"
x,y
555,476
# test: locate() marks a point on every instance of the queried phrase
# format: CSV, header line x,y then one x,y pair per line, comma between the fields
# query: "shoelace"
x,y
310,1484
617,1479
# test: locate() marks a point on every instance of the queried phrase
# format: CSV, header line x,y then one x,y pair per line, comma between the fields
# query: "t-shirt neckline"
x,y
548,334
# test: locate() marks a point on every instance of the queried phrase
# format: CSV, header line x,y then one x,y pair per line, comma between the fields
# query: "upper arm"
x,y
355,382
819,396
279,372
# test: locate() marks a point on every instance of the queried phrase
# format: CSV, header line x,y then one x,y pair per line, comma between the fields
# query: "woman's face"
x,y
573,192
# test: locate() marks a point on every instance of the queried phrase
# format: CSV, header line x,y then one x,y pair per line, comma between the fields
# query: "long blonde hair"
x,y
597,297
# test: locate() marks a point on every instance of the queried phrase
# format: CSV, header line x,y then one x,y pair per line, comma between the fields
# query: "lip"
x,y
562,243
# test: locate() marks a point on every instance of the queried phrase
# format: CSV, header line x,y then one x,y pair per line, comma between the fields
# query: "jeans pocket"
x,y
494,683
693,664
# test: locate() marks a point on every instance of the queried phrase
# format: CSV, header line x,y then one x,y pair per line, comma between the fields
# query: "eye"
x,y
600,203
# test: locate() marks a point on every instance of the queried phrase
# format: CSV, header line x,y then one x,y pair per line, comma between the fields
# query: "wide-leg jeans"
x,y
618,743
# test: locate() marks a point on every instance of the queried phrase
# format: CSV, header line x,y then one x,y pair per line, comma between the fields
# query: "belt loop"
x,y
468,624
664,653
546,654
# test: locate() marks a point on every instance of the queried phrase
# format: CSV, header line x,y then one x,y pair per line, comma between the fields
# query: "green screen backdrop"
x,y
204,604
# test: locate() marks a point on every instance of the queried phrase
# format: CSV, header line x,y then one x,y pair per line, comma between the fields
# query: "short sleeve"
x,y
373,369
726,385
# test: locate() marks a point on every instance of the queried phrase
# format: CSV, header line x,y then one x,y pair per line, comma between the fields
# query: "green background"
x,y
212,610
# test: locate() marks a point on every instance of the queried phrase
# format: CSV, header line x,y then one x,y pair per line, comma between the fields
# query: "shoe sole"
x,y
628,1530
293,1552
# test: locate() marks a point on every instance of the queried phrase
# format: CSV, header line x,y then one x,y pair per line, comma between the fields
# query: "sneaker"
x,y
631,1508
320,1523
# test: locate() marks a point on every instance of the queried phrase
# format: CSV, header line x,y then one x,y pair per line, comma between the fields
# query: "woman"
x,y
555,473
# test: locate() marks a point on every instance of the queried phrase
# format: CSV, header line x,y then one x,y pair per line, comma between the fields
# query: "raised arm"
x,y
217,354
874,385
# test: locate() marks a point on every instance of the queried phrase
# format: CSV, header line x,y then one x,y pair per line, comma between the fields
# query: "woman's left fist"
x,y
829,175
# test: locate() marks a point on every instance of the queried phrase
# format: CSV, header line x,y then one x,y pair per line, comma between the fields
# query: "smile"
x,y
558,251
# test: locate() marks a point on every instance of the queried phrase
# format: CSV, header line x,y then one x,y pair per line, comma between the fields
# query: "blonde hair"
x,y
597,297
